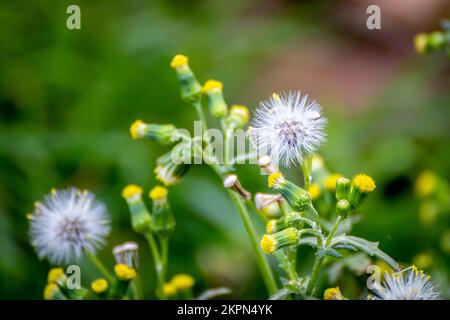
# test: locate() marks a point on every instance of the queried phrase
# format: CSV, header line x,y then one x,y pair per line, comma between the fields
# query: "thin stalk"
x,y
259,212
164,254
307,172
100,266
158,265
319,260
261,260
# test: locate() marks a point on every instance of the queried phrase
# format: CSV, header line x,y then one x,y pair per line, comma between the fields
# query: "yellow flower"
x,y
99,285
124,272
169,289
55,274
182,281
426,183
179,61
268,244
274,179
330,181
131,191
445,241
212,85
428,212
135,128
158,193
50,290
364,183
332,294
421,42
423,260
314,191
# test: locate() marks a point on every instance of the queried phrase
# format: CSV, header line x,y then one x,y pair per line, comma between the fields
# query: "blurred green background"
x,y
67,99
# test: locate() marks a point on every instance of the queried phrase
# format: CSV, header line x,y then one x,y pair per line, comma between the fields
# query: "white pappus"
x,y
67,223
288,128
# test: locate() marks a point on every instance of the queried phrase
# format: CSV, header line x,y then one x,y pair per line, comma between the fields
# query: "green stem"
x,y
253,206
164,254
307,171
100,267
287,264
319,260
158,265
261,260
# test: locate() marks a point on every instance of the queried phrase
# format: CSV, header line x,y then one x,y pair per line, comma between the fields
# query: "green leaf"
x,y
371,248
328,252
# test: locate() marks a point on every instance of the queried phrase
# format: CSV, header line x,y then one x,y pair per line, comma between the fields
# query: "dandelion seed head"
x,y
409,284
287,128
67,223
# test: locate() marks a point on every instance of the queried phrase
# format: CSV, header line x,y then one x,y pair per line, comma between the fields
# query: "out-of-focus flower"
x,y
99,286
269,204
314,191
189,86
141,221
169,172
182,281
51,291
333,294
169,290
428,212
409,284
55,275
331,180
163,222
423,260
127,253
67,223
288,128
214,95
426,184
238,116
124,272
445,241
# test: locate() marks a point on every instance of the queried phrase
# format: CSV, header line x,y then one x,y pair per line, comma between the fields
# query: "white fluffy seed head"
x,y
67,223
287,128
409,284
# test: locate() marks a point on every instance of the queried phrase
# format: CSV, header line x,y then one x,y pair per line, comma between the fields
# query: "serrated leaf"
x,y
328,252
310,241
345,246
371,248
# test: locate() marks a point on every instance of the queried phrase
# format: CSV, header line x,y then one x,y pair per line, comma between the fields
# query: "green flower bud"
x,y
168,172
342,188
189,86
292,219
238,116
298,198
271,242
163,222
437,40
343,208
141,220
156,132
216,103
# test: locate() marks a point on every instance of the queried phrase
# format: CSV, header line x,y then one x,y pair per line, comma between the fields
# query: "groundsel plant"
x,y
287,130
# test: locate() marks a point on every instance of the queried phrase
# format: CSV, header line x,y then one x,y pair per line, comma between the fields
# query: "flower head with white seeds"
x,y
67,223
288,128
409,284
